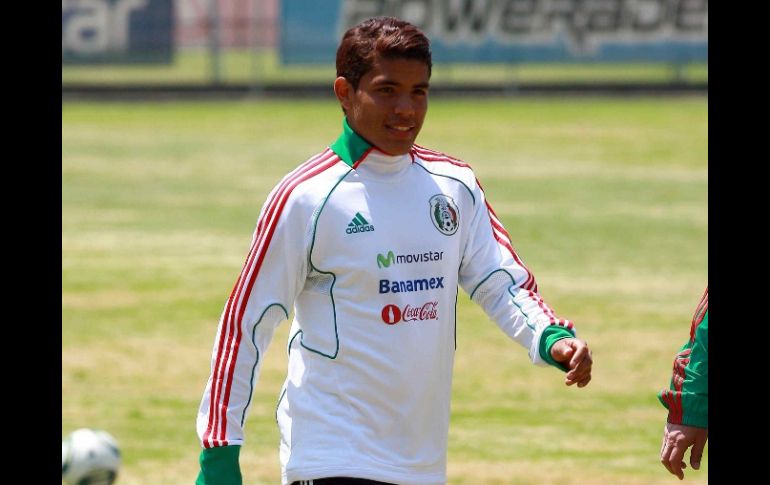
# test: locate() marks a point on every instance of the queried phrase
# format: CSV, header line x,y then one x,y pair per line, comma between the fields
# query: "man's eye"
x,y
386,90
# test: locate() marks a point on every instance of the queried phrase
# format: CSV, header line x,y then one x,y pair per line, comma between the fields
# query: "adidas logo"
x,y
359,224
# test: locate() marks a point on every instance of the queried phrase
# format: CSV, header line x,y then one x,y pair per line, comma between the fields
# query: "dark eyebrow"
x,y
388,82
385,82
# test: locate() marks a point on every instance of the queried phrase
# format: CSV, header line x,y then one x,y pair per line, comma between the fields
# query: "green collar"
x,y
350,147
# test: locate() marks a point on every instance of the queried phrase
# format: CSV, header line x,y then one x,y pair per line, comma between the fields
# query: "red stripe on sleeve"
x,y
700,312
242,301
321,157
227,328
231,326
434,156
546,309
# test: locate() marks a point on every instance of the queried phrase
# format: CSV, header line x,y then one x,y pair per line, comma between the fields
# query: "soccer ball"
x,y
89,457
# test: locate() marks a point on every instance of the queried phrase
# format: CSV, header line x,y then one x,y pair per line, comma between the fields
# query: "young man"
x,y
368,242
687,398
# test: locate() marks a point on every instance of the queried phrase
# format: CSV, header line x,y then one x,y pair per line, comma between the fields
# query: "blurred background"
x,y
249,46
585,121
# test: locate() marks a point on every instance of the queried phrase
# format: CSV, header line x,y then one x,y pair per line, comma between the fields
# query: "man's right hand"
x,y
676,439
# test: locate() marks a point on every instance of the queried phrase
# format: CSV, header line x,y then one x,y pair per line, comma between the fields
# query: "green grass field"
x,y
606,202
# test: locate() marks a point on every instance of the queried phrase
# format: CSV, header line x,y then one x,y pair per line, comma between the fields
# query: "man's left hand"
x,y
576,356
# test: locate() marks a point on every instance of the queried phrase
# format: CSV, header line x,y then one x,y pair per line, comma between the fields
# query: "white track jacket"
x,y
368,250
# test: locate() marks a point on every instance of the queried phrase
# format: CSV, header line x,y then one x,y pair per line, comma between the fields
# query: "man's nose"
x,y
404,105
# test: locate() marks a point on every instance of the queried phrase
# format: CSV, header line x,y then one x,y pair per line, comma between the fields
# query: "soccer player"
x,y
687,398
368,241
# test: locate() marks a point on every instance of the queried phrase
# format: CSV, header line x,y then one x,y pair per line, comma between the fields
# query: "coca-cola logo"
x,y
391,314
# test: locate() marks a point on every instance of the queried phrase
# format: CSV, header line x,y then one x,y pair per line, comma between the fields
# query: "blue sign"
x,y
511,30
116,31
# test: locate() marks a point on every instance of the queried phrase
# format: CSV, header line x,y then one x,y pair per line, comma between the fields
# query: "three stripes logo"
x,y
359,224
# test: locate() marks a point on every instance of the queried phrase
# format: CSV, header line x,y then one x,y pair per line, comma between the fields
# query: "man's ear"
x,y
343,90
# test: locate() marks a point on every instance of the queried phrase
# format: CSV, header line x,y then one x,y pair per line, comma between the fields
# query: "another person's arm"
x,y
687,398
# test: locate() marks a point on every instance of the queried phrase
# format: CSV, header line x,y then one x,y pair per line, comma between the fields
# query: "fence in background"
x,y
259,44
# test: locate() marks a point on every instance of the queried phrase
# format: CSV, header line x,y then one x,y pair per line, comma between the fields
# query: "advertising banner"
x,y
511,30
116,31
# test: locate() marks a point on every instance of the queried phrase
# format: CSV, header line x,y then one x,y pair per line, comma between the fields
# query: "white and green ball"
x,y
89,457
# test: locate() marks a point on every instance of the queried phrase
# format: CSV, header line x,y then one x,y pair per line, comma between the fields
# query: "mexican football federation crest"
x,y
444,214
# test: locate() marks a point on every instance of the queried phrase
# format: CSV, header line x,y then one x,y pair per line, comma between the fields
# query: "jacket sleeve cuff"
x,y
550,336
220,466
691,411
694,419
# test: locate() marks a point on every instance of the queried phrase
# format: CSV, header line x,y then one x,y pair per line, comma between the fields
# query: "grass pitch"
x,y
605,200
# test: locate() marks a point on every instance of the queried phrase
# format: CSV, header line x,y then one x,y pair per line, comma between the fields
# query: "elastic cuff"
x,y
220,466
550,336
695,420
